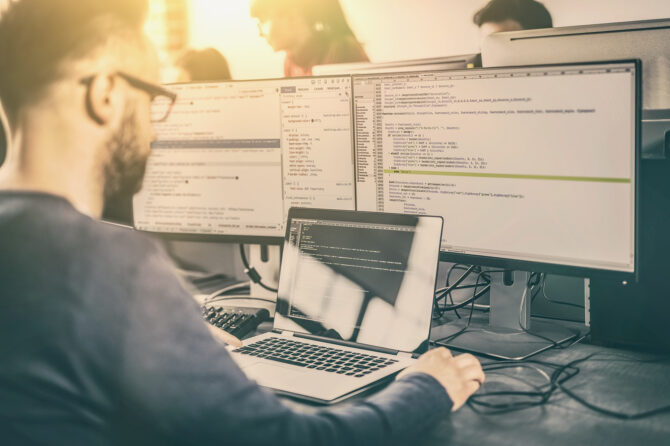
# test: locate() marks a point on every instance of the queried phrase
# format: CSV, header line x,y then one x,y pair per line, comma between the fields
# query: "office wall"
x,y
391,29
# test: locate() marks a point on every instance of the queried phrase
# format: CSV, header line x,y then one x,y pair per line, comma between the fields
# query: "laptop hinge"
x,y
404,355
285,334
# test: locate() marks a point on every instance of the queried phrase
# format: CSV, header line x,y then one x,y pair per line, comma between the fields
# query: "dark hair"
x,y
326,15
530,14
204,65
37,37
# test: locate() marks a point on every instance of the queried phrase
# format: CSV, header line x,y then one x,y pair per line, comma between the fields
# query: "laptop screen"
x,y
360,277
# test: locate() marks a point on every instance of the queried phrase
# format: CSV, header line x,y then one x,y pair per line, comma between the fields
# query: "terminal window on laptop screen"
x,y
365,282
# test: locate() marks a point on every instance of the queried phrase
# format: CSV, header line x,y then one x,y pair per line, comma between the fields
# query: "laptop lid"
x,y
359,277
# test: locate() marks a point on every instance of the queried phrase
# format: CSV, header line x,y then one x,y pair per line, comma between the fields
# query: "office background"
x,y
389,29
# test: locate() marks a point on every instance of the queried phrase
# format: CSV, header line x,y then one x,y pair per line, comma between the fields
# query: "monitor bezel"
x,y
572,270
406,65
246,238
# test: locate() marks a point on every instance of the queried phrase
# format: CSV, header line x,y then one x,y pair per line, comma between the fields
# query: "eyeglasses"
x,y
162,99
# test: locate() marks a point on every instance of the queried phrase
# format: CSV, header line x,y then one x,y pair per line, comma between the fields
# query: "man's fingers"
x,y
466,360
468,389
471,387
474,373
443,351
470,367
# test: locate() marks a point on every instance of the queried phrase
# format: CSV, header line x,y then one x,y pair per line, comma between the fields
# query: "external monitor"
x,y
533,168
437,63
501,154
644,40
233,157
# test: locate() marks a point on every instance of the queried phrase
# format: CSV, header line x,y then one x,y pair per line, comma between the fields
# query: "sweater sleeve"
x,y
178,383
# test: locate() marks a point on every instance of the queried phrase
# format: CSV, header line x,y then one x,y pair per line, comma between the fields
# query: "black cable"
x,y
557,302
535,293
486,402
458,281
537,279
226,290
222,298
467,302
475,296
453,268
534,280
252,272
548,299
444,293
608,412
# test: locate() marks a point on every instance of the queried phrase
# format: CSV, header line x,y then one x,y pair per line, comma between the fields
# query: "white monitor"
x,y
532,168
233,157
436,63
645,40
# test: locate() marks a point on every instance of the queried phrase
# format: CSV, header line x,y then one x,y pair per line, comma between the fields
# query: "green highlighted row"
x,y
510,176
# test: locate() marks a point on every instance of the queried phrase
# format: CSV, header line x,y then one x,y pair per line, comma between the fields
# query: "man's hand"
x,y
461,376
223,336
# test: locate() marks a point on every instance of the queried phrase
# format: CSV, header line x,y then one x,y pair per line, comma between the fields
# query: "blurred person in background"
x,y
310,32
511,15
202,65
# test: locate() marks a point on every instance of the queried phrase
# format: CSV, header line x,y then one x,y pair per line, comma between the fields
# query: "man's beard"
x,y
123,171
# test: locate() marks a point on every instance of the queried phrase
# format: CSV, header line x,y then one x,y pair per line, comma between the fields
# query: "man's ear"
x,y
99,103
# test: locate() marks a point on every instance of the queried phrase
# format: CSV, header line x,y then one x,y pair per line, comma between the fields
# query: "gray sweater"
x,y
99,344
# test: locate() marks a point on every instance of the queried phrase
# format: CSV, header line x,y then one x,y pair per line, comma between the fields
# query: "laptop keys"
x,y
316,357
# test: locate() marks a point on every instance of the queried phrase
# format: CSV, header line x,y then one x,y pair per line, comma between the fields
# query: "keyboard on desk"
x,y
238,321
313,356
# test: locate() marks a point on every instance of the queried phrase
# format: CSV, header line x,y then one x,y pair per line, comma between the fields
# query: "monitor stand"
x,y
266,260
509,333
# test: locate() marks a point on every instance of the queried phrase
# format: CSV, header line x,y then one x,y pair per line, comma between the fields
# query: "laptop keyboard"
x,y
311,356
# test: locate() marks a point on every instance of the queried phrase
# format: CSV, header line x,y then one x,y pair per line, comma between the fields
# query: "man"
x,y
99,344
511,15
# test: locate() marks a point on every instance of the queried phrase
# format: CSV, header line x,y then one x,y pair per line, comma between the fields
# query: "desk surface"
x,y
618,380
614,379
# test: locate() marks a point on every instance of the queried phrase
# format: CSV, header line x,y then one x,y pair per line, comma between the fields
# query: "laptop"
x,y
354,303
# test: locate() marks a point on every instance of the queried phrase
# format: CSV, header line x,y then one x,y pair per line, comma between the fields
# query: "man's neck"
x,y
40,163
81,201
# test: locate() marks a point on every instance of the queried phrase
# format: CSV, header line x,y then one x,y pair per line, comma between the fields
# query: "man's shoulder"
x,y
40,222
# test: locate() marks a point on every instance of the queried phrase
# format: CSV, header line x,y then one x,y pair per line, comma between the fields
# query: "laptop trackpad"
x,y
274,376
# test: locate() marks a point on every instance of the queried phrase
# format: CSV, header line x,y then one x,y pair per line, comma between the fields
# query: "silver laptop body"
x,y
354,303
